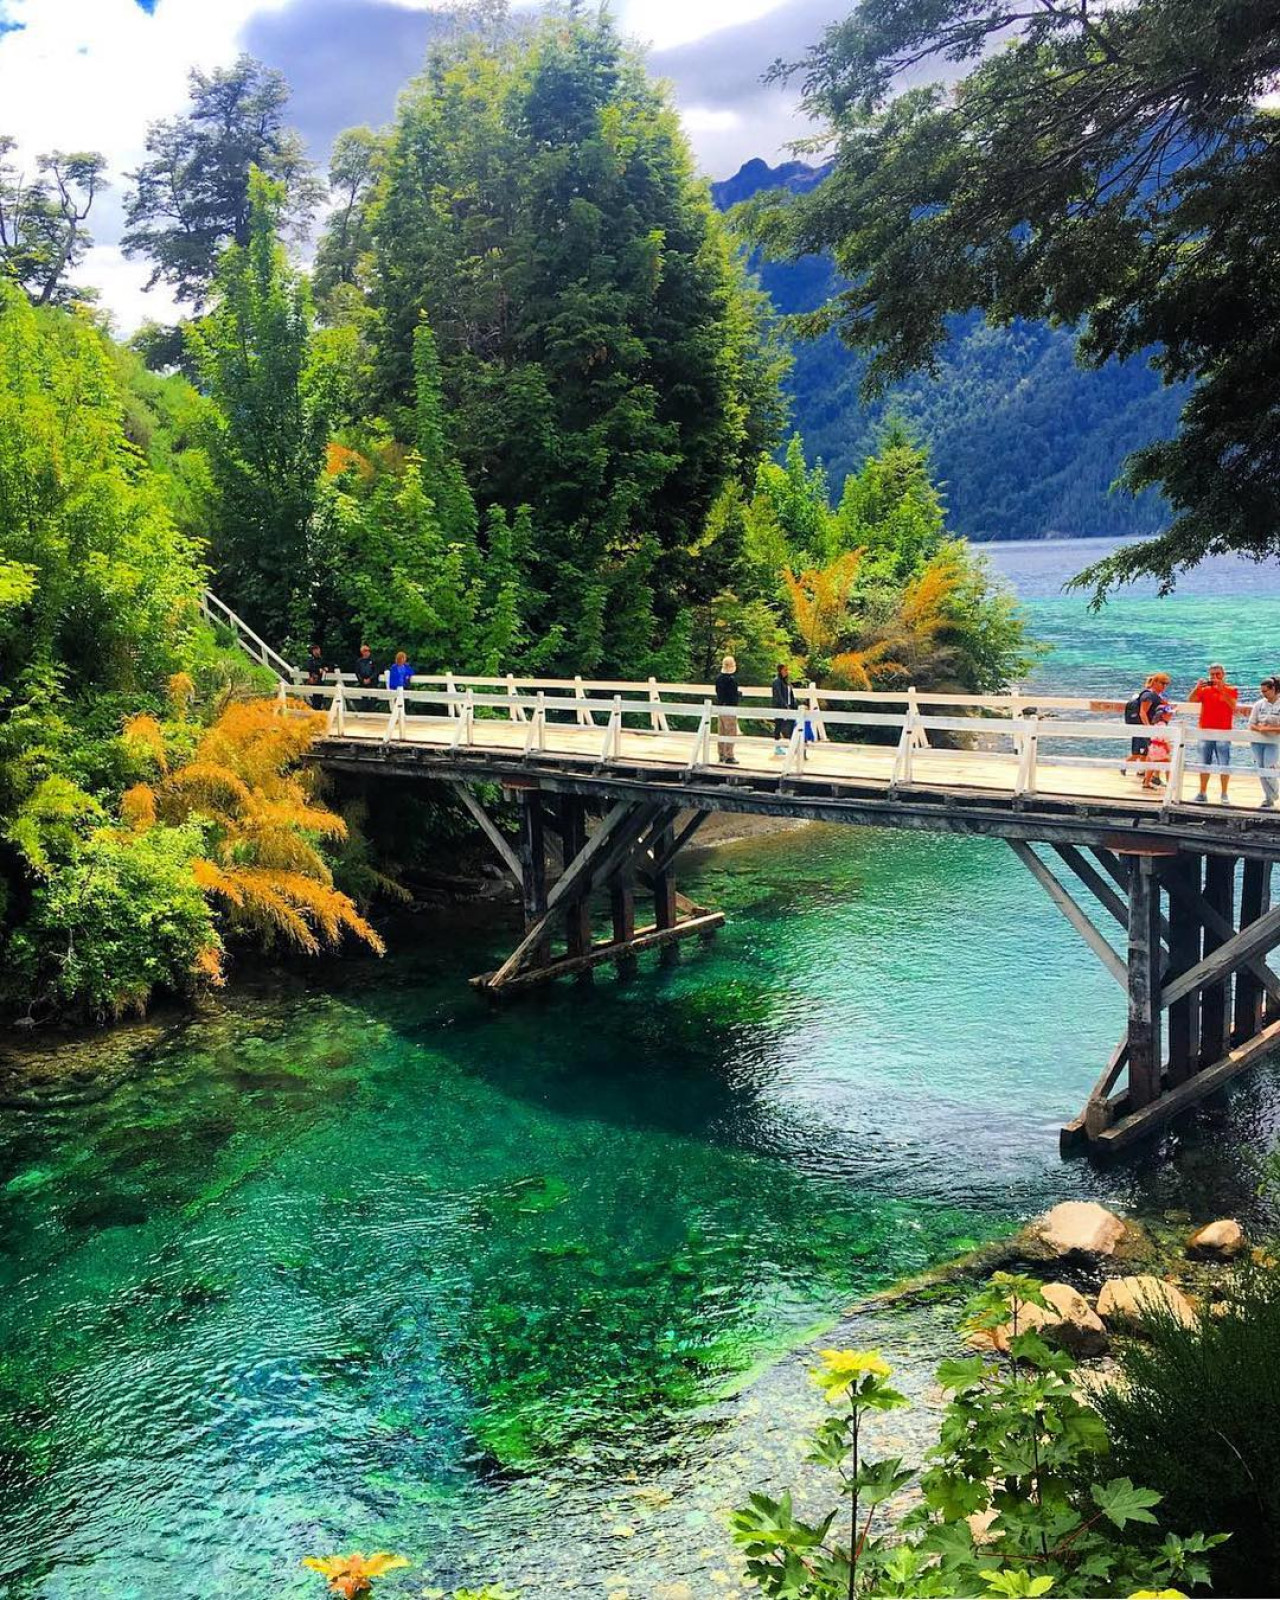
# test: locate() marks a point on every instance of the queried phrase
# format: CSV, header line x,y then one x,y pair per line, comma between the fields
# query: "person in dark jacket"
x,y
314,669
367,675
728,694
784,699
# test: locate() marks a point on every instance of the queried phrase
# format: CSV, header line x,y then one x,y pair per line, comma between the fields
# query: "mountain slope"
x,y
1026,442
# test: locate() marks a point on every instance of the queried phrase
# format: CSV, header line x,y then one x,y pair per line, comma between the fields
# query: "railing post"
x,y
903,762
1177,762
657,716
515,708
451,690
338,710
795,750
536,738
466,719
281,697
913,711
1026,739
701,754
585,719
814,712
613,734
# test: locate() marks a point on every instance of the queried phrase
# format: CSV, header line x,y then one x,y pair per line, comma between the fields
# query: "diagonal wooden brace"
x,y
576,879
490,830
1078,918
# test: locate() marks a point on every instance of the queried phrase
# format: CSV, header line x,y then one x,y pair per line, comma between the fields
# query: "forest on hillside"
x,y
523,413
1026,443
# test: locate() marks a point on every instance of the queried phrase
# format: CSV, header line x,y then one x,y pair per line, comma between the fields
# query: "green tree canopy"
x,y
602,354
1111,166
192,196
42,220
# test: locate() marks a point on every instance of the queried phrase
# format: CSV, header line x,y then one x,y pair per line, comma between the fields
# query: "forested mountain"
x,y
1026,443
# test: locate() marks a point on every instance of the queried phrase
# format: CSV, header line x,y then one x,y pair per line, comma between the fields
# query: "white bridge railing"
x,y
1009,742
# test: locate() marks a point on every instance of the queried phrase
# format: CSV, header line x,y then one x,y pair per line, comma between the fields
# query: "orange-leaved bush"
x,y
263,827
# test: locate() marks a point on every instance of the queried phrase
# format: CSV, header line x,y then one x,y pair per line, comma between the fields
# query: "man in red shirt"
x,y
1217,701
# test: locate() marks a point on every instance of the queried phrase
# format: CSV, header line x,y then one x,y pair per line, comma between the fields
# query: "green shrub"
x,y
120,917
1017,1444
1198,1415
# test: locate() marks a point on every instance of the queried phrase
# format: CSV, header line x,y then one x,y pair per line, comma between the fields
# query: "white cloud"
x,y
92,74
664,23
707,119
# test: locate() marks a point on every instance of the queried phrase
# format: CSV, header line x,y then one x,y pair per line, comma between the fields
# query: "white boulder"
x,y
1080,1227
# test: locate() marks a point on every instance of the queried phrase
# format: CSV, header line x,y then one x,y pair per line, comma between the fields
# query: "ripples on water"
x,y
373,1265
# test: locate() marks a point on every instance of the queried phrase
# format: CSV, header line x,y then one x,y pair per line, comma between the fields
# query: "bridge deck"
x,y
862,766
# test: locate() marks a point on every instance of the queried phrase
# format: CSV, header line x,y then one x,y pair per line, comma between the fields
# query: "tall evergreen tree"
x,y
272,402
1085,162
603,357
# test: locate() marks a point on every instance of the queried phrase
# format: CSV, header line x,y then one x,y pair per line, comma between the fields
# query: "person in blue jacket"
x,y
400,672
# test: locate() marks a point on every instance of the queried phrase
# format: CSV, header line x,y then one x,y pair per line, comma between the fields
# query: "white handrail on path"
x,y
213,610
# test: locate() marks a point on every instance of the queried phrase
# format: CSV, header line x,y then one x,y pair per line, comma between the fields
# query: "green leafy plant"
x,y
1013,1501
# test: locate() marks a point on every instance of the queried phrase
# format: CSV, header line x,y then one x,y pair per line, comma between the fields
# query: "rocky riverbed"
x,y
664,1532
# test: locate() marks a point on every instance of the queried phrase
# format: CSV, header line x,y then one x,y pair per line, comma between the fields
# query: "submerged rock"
x,y
1218,1241
1131,1302
1079,1227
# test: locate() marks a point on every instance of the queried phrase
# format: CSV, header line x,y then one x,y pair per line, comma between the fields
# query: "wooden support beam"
x,y
1182,881
1188,894
1116,867
577,913
1093,880
1141,1124
1215,1006
1255,900
1145,1052
510,860
533,872
622,905
624,815
1078,919
681,839
1098,1112
664,882
651,938
1210,974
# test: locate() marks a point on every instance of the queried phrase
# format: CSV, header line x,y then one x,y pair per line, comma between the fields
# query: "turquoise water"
x,y
352,1260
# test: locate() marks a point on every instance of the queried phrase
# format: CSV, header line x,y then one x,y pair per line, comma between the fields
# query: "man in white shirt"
x,y
1264,720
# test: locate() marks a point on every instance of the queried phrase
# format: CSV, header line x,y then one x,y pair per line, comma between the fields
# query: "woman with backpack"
x,y
1145,710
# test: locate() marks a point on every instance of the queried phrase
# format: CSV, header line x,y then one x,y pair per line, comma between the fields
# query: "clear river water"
x,y
350,1260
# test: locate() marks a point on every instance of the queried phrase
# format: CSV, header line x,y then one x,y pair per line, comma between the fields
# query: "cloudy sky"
x,y
78,74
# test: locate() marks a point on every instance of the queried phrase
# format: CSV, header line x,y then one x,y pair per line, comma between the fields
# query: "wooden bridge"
x,y
1173,897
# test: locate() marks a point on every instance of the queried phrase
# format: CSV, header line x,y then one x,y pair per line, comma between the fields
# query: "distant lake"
x,y
1227,608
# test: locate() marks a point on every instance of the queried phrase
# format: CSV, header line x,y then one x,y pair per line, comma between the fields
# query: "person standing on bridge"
x,y
1217,700
367,675
727,694
784,699
1144,710
1264,724
400,673
314,669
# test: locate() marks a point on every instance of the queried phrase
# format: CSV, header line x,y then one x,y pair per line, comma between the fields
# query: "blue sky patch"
x,y
149,6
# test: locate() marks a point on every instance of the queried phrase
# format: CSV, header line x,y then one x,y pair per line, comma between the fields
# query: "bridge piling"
x,y
1206,966
636,839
